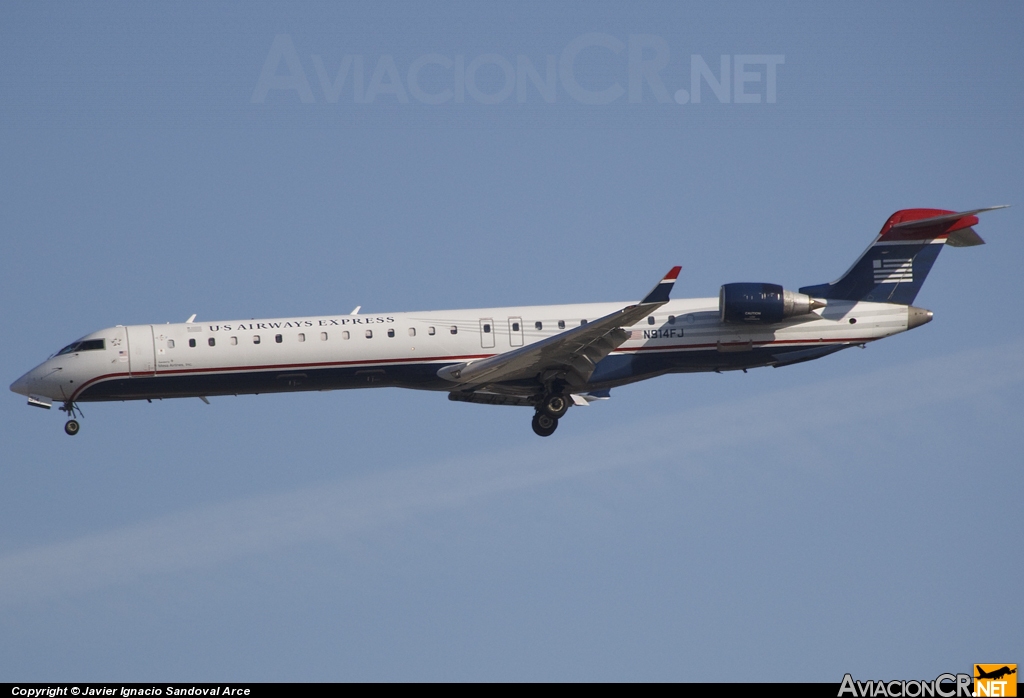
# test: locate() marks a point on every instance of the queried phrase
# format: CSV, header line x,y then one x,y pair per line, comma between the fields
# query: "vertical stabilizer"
x,y
894,267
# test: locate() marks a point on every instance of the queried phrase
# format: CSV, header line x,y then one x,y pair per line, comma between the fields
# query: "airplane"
x,y
996,674
548,357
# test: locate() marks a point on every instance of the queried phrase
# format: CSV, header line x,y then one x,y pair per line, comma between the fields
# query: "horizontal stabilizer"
x,y
949,217
965,237
920,224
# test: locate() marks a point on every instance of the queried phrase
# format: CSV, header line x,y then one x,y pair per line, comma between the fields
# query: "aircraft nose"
x,y
21,386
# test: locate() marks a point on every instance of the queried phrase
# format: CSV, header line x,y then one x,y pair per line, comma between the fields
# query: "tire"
x,y
544,424
556,405
71,428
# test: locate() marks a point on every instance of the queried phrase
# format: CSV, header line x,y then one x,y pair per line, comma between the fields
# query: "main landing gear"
x,y
544,424
71,428
549,410
555,405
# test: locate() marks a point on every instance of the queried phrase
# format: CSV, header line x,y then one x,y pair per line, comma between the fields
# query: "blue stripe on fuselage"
x,y
612,371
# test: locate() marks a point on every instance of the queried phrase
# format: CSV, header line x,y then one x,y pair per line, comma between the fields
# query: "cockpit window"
x,y
87,345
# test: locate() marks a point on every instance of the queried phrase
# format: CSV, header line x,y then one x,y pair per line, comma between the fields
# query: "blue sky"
x,y
857,513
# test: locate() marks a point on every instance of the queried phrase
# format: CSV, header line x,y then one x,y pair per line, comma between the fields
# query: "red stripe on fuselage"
x,y
327,364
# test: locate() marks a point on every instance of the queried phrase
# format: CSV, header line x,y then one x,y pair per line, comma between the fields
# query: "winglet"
x,y
659,294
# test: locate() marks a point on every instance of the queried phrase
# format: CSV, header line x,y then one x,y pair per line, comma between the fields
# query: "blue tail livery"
x,y
896,264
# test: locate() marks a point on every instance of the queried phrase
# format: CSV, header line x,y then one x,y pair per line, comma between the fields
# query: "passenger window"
x,y
538,325
255,339
323,337
561,324
192,342
278,338
671,319
369,334
170,343
391,333
211,341
430,330
302,336
515,326
412,331
344,334
582,323
234,341
650,319
455,330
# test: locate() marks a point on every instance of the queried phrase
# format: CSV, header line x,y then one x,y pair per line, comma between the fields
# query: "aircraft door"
x,y
487,333
515,331
141,356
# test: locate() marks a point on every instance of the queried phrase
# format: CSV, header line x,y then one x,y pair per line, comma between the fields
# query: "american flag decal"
x,y
893,271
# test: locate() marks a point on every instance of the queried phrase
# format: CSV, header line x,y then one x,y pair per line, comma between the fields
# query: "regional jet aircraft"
x,y
544,357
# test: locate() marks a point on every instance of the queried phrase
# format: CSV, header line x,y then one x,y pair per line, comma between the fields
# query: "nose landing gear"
x,y
71,427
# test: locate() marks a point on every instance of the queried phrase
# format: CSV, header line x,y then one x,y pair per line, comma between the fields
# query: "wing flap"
x,y
572,354
579,349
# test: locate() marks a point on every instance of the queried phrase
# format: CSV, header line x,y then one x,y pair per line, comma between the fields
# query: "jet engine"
x,y
762,303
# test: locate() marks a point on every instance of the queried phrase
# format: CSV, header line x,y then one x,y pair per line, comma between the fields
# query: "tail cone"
x,y
917,317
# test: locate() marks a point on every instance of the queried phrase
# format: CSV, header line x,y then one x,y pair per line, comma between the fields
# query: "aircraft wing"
x,y
570,355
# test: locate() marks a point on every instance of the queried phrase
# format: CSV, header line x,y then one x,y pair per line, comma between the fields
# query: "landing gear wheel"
x,y
555,405
544,424
71,428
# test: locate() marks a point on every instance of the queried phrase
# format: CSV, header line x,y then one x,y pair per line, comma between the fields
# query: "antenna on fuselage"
x,y
355,311
193,317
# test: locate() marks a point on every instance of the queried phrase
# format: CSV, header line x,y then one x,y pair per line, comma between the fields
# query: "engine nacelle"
x,y
762,304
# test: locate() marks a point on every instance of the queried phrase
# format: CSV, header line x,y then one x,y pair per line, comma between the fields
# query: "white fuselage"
x,y
407,349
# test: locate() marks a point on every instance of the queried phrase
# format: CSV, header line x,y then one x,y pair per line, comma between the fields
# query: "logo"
x,y
943,686
989,680
893,271
995,680
637,71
